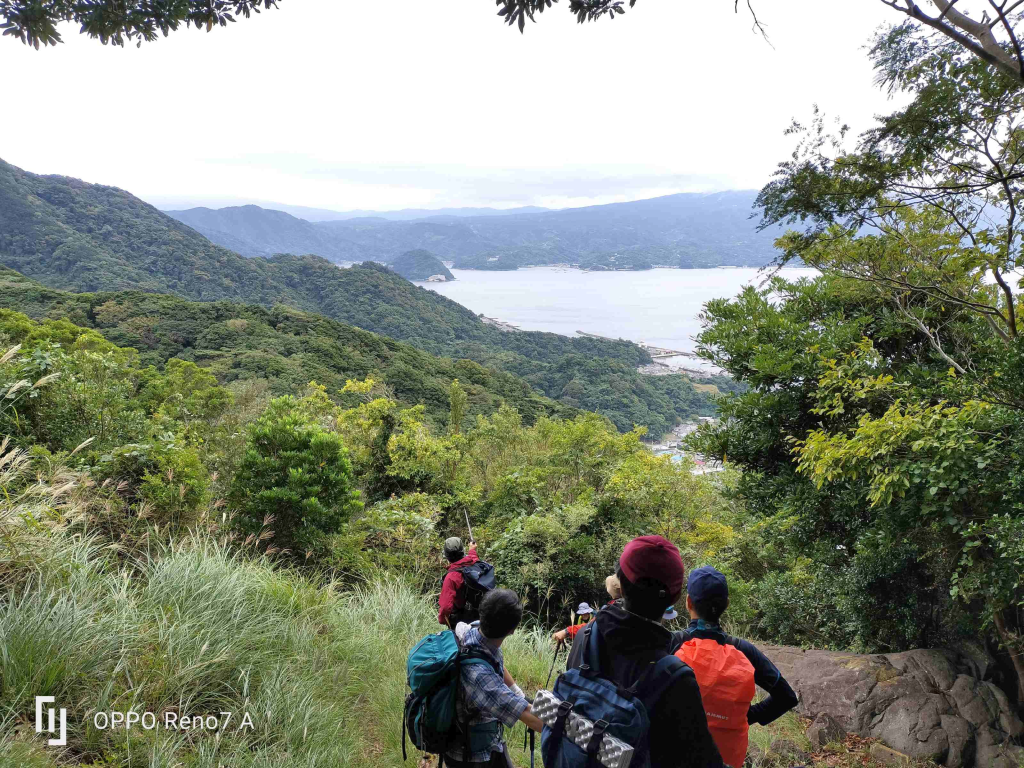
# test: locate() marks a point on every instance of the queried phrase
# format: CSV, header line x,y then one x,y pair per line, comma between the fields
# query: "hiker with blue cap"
x,y
671,614
583,615
728,669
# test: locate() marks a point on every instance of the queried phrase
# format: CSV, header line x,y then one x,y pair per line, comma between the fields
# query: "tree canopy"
x,y
117,21
989,31
881,436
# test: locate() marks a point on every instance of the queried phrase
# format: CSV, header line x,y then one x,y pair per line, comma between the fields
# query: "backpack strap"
x,y
558,729
591,658
661,677
594,745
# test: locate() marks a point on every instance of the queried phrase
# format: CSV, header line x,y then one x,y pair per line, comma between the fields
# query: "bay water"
x,y
656,306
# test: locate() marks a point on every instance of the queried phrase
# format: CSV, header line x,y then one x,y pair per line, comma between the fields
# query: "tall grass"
x,y
193,629
190,627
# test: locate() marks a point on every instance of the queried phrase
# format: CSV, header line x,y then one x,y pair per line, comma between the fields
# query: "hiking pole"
x,y
466,513
551,671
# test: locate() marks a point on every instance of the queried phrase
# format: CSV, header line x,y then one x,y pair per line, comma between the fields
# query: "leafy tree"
x,y
114,21
457,413
948,164
987,29
294,480
869,460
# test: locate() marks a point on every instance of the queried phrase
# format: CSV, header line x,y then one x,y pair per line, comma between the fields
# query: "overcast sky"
x,y
385,104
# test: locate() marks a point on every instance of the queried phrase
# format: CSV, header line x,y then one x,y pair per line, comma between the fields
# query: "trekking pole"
x,y
551,671
466,513
532,745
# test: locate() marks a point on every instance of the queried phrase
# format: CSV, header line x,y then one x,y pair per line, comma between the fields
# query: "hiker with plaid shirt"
x,y
489,697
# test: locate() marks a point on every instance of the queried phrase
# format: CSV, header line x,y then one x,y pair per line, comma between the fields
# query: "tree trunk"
x,y
1013,647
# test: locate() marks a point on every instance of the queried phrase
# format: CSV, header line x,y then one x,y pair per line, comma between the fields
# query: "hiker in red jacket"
x,y
585,614
453,592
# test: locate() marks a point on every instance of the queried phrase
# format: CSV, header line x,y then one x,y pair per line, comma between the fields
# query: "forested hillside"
x,y
82,237
167,535
254,231
684,230
282,346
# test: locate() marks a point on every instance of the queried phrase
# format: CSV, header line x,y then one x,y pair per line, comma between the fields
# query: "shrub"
x,y
295,477
400,535
165,472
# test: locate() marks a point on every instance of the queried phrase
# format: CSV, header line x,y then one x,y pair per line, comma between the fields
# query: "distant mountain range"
x,y
683,230
325,214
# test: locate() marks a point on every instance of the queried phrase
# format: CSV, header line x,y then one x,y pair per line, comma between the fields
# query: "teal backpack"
x,y
433,671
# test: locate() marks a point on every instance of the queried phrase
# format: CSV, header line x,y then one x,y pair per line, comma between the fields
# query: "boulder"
x,y
925,704
824,730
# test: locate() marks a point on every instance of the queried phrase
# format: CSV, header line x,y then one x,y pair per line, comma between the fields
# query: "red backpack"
x,y
726,680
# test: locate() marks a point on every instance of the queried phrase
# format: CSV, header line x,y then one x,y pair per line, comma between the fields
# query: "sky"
x,y
346,104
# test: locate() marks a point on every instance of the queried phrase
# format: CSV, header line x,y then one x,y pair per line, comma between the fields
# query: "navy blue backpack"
x,y
621,712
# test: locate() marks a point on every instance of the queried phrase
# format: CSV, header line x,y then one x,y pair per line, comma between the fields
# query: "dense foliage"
x,y
344,479
881,437
114,22
83,237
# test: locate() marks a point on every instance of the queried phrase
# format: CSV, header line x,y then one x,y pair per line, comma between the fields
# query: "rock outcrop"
x,y
824,730
927,704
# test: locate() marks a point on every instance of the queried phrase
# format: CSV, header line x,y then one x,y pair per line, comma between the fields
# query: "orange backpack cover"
x,y
726,680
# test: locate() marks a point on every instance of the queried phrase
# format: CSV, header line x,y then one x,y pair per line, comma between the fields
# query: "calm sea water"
x,y
657,306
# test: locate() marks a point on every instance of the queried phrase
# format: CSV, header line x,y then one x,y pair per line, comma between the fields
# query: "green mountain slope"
x,y
287,347
254,231
82,237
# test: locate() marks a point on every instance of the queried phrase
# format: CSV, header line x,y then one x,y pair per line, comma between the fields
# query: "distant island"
x,y
420,265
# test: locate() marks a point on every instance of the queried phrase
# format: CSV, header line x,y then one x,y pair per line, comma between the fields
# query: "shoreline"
x,y
577,268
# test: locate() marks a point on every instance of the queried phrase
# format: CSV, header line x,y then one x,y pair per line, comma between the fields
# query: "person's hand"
x,y
559,636
472,545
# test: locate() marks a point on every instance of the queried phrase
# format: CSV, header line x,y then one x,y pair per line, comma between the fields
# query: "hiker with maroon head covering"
x,y
627,645
468,579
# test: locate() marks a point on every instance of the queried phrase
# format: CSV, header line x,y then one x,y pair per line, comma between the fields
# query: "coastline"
x,y
582,270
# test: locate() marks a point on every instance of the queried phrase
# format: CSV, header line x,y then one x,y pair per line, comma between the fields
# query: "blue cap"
x,y
707,582
584,609
670,614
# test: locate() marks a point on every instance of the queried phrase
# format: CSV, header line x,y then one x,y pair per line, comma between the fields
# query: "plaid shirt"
x,y
486,698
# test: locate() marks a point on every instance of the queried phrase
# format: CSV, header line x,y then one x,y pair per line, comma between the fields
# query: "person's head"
x,y
612,587
651,575
585,612
707,594
500,614
671,614
453,549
